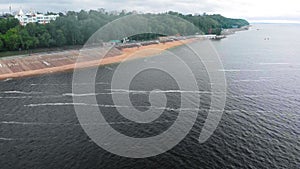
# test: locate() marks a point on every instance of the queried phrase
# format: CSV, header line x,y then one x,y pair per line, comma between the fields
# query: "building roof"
x,y
21,13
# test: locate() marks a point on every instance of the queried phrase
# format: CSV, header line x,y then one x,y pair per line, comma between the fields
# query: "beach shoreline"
x,y
12,68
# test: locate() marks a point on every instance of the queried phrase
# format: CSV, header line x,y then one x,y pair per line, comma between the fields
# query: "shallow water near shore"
x,y
259,129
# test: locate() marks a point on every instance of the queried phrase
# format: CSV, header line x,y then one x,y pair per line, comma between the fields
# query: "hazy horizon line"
x,y
274,21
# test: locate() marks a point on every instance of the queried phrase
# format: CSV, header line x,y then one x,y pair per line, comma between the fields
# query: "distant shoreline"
x,y
234,30
35,65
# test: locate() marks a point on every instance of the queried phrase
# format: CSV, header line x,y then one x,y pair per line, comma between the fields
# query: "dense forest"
x,y
71,28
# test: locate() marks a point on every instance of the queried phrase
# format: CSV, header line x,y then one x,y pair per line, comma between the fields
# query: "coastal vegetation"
x,y
75,28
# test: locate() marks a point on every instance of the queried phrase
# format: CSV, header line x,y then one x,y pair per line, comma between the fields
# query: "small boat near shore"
x,y
218,37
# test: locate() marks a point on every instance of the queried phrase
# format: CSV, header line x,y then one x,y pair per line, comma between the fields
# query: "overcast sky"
x,y
253,10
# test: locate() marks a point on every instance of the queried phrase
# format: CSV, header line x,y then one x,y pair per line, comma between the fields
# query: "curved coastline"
x,y
35,65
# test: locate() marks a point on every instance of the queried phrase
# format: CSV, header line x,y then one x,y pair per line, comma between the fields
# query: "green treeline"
x,y
75,28
212,24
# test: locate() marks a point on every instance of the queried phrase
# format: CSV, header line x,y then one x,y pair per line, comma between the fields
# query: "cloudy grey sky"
x,y
253,10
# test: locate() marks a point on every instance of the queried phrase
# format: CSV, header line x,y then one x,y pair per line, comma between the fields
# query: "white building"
x,y
32,17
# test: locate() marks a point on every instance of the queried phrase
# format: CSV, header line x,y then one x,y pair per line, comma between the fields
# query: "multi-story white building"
x,y
32,17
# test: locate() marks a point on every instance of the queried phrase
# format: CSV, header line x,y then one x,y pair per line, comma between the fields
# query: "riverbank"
x,y
39,64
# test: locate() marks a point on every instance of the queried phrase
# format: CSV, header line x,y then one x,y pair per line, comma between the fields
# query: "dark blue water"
x,y
260,127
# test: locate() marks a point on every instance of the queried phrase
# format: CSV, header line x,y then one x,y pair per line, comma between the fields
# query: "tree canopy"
x,y
75,28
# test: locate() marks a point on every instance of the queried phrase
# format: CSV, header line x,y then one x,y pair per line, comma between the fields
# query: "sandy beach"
x,y
18,67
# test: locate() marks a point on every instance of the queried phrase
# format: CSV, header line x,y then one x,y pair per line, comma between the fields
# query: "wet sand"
x,y
15,67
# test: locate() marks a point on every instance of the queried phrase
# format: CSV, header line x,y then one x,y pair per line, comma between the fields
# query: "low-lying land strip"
x,y
38,64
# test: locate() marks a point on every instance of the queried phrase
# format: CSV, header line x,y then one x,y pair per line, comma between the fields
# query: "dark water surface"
x,y
260,127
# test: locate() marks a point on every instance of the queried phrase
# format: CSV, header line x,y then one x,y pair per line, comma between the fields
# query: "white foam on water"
x,y
251,80
71,124
6,139
81,95
30,97
118,106
77,124
134,92
121,91
155,91
19,92
239,70
22,123
17,97
76,104
8,79
68,84
125,122
34,123
56,104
